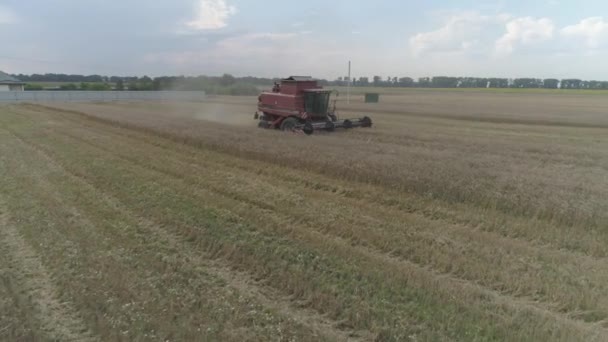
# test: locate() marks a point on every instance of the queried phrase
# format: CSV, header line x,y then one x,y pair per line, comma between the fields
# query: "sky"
x,y
276,38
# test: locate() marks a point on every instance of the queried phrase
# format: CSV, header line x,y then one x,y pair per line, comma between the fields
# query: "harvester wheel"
x,y
308,128
366,122
348,124
289,124
263,124
330,126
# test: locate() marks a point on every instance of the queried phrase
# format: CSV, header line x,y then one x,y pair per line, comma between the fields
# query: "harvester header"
x,y
299,103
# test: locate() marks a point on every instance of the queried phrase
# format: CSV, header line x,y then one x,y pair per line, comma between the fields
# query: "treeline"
x,y
222,85
230,85
471,82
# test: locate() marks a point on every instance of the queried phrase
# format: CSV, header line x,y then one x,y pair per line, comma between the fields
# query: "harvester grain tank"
x,y
298,103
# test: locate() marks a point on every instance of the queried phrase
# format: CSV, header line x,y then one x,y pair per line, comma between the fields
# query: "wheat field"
x,y
464,216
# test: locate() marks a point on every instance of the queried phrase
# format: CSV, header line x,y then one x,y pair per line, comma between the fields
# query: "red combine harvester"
x,y
298,103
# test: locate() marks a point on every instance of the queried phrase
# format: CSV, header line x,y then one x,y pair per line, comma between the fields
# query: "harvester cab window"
x,y
317,103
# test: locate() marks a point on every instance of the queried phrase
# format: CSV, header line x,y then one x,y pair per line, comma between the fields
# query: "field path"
x,y
58,320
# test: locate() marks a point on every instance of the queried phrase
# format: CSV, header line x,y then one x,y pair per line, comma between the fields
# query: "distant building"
x,y
9,83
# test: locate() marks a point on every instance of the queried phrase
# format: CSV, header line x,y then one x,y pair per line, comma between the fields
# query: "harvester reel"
x,y
289,124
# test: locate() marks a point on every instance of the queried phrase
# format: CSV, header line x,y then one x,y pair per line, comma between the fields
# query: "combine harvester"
x,y
299,104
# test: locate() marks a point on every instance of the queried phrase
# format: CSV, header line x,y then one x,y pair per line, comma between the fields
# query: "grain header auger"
x,y
299,104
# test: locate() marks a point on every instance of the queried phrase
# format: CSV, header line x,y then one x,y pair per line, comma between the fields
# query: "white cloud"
x,y
270,54
212,15
229,49
461,32
525,31
594,32
473,33
7,16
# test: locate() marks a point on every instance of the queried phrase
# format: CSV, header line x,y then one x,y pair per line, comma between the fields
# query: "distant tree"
x,y
551,83
340,82
33,87
227,80
571,84
527,83
424,82
406,82
70,86
377,81
445,82
120,85
389,81
93,79
498,83
99,86
323,82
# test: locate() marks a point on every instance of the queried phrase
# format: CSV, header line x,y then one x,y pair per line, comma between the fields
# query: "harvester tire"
x,y
366,122
289,124
348,124
330,126
308,128
263,124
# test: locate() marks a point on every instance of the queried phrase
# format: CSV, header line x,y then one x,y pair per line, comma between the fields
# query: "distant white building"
x,y
9,83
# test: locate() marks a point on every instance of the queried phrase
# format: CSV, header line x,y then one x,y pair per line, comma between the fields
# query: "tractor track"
x,y
238,280
399,263
57,319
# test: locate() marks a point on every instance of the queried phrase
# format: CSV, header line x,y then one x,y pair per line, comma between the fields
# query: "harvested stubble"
x,y
161,225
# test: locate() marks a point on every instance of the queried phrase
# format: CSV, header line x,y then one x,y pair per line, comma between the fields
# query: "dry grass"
x,y
427,227
543,171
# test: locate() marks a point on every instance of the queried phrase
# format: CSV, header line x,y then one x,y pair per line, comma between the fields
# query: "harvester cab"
x,y
298,103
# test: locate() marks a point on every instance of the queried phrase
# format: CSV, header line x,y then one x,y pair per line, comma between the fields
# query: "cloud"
x,y
231,48
525,31
461,32
212,15
473,33
593,31
228,49
7,16
270,54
